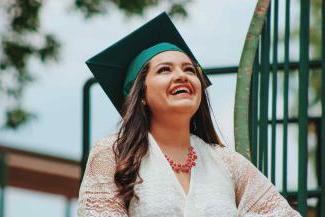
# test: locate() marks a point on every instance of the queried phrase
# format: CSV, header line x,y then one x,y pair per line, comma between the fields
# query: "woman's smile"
x,y
182,89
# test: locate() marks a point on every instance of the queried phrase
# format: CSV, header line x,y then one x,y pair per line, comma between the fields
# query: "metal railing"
x,y
260,98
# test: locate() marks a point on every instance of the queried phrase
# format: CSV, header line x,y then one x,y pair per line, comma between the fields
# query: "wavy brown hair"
x,y
132,140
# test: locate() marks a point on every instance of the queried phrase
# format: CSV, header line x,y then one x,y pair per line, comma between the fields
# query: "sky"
x,y
215,32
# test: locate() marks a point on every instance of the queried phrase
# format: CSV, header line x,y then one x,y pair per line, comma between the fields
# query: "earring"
x,y
143,102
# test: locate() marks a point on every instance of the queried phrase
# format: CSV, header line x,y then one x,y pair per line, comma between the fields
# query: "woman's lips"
x,y
183,95
182,89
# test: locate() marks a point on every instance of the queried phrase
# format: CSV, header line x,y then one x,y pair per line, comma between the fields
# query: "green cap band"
x,y
141,60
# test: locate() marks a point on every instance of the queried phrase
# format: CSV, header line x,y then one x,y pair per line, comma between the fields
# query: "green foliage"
x,y
135,7
16,117
24,15
178,10
90,7
17,46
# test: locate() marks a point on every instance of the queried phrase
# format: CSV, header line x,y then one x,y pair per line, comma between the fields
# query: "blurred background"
x,y
43,48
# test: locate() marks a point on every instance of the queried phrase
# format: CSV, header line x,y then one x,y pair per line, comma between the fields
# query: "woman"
x,y
167,159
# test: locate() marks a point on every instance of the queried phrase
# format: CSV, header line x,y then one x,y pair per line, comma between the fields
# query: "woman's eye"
x,y
190,69
164,69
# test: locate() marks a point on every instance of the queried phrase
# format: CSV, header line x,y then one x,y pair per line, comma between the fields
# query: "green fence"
x,y
264,100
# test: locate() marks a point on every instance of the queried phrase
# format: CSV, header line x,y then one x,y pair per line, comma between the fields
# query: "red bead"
x,y
189,162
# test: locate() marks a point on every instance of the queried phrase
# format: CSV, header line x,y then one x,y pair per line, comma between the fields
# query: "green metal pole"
x,y
2,202
3,181
322,145
274,88
285,99
303,106
264,96
68,207
253,111
86,124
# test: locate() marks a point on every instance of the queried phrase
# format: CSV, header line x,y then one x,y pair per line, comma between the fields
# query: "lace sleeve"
x,y
97,190
255,194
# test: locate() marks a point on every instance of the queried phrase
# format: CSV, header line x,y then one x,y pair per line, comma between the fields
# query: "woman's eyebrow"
x,y
171,63
187,64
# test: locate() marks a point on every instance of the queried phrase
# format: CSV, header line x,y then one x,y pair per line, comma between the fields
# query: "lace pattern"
x,y
98,190
255,194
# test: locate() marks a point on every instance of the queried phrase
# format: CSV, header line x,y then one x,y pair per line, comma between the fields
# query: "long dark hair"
x,y
132,140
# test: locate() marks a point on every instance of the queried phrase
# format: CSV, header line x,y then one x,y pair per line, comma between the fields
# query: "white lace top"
x,y
222,184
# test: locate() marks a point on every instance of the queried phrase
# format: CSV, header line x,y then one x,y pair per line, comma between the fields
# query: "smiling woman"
x,y
167,159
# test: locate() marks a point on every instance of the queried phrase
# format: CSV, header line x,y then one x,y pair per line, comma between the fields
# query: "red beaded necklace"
x,y
189,162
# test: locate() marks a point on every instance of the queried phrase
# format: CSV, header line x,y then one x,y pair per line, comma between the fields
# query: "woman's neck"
x,y
169,132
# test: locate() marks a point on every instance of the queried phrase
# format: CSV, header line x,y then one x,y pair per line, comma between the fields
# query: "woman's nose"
x,y
180,76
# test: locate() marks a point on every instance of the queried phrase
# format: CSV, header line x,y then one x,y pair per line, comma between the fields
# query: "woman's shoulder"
x,y
224,151
232,160
101,158
102,149
106,141
228,153
97,195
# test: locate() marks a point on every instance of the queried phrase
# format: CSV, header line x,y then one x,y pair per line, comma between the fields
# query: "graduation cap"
x,y
116,67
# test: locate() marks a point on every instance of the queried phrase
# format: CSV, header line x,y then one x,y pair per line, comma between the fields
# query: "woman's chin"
x,y
184,107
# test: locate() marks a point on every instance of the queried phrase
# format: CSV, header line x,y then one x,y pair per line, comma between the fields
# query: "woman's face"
x,y
172,84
